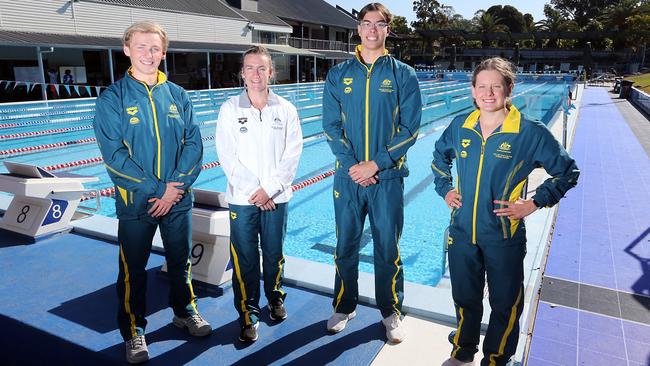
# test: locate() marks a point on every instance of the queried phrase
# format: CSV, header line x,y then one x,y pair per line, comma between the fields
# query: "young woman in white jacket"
x,y
259,142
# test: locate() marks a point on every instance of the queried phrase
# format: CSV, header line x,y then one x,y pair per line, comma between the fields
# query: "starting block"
x,y
43,203
210,254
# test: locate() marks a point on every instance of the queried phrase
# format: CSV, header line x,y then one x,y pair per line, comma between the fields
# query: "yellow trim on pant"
x,y
189,282
277,278
511,324
242,288
460,325
342,290
394,282
127,294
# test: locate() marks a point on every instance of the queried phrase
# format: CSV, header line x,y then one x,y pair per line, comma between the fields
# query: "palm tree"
x,y
616,18
554,23
485,23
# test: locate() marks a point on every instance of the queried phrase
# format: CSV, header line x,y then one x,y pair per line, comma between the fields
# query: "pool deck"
x,y
583,234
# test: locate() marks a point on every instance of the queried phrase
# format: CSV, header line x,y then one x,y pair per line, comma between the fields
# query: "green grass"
x,y
641,81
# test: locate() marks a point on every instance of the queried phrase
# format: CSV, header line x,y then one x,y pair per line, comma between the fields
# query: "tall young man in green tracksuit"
x,y
152,149
494,149
371,117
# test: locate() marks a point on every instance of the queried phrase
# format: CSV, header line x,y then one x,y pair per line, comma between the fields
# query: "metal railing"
x,y
320,44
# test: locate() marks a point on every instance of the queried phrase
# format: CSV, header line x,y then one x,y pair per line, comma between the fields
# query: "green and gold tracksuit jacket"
x,y
372,112
497,168
148,137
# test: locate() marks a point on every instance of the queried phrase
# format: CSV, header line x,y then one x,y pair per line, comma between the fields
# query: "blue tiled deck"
x,y
58,303
600,246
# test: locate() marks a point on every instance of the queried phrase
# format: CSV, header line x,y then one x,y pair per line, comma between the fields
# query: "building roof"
x,y
308,11
201,7
265,18
33,39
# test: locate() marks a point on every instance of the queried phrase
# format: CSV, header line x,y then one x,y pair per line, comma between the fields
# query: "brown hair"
x,y
146,26
259,50
381,8
500,65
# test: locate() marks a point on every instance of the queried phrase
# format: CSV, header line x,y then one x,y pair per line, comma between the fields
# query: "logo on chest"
x,y
132,110
277,124
173,111
504,151
386,86
242,120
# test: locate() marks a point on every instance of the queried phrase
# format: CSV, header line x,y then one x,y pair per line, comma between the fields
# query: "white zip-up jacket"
x,y
258,148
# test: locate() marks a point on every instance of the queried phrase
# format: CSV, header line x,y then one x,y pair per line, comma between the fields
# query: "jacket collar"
x,y
511,124
357,54
245,102
162,78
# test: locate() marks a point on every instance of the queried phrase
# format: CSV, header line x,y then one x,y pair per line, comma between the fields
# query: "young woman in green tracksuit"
x,y
371,117
494,149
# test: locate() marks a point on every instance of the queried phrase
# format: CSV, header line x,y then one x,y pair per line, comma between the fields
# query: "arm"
x,y
123,170
237,174
188,166
410,114
443,156
333,124
563,170
283,175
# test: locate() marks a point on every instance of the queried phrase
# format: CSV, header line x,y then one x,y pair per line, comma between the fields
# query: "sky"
x,y
466,8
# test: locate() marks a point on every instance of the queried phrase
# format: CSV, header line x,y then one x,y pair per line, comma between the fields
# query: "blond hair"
x,y
503,67
146,26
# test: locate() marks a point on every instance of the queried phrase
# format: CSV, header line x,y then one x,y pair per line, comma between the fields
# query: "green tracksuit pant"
x,y
504,265
135,237
251,228
384,204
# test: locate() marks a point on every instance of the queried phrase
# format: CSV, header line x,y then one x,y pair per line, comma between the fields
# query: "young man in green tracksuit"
x,y
495,149
152,149
371,117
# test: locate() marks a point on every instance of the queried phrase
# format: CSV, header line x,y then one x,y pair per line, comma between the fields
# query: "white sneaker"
x,y
195,324
338,321
394,328
454,362
136,350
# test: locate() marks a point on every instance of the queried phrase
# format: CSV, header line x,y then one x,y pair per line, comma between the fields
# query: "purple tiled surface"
x,y
601,238
564,336
601,233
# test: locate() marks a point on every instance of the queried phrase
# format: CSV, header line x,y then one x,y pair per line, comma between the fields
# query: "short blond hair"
x,y
503,67
146,26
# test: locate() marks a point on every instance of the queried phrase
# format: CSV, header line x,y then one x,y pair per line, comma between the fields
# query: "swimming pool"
x,y
60,137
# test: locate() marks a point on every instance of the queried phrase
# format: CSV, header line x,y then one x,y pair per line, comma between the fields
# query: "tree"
x,y
399,25
616,18
554,23
581,11
486,23
431,14
509,16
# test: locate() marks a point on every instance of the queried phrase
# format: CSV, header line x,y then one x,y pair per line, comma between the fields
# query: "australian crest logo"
x,y
504,151
173,111
347,90
386,86
134,120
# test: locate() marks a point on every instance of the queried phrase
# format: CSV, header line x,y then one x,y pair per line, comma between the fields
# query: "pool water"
x,y
310,233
